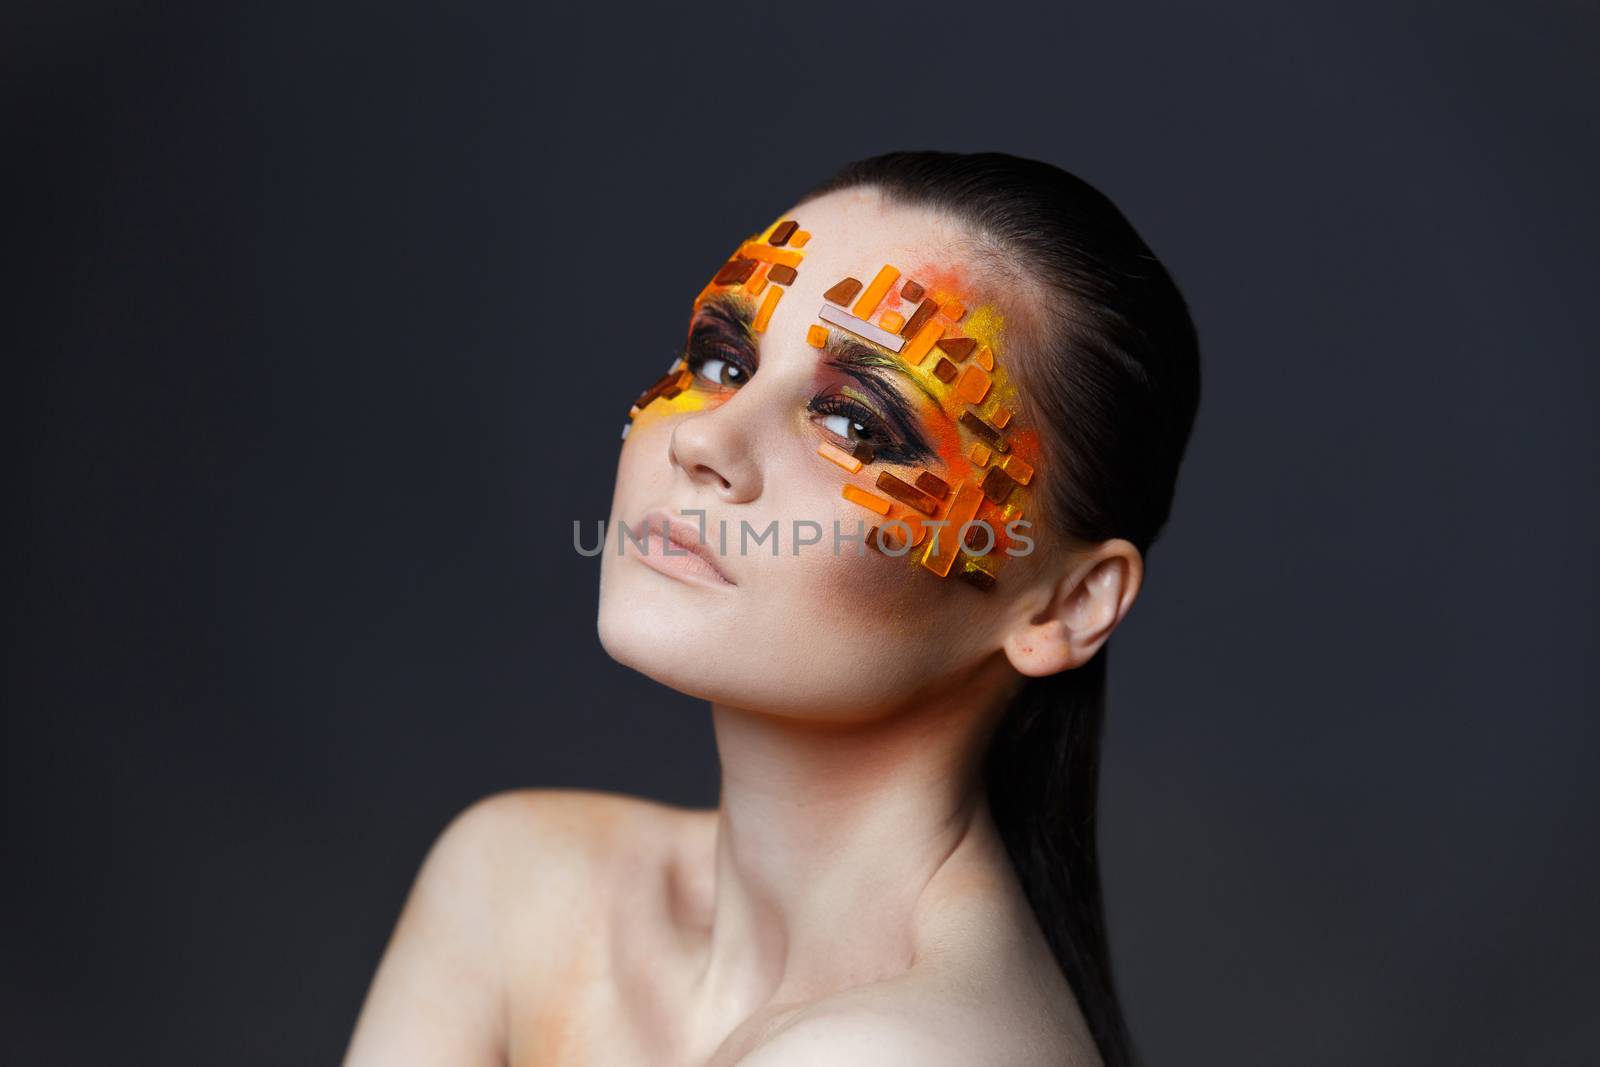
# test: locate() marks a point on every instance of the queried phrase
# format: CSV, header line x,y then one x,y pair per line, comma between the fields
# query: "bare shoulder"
x,y
543,852
571,824
500,872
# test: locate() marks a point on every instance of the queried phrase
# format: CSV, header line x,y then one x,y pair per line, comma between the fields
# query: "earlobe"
x,y
1040,649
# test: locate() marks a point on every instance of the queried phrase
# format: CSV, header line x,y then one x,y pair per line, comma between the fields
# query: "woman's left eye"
x,y
850,420
846,427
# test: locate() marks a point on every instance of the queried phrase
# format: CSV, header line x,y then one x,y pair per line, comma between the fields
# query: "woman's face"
x,y
808,409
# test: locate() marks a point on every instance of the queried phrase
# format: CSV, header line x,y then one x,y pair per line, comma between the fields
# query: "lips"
x,y
685,538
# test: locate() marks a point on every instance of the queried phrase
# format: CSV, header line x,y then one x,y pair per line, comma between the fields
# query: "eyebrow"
x,y
728,312
857,359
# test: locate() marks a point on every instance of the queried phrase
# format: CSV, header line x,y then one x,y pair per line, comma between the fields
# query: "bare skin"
x,y
573,927
849,901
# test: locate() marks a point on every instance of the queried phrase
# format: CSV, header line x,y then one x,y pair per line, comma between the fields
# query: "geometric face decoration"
x,y
924,425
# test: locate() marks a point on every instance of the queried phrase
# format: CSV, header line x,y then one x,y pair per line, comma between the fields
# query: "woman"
x,y
883,513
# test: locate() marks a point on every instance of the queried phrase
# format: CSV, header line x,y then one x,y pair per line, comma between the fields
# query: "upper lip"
x,y
685,536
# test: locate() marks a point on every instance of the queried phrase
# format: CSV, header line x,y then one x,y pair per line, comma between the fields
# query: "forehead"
x,y
855,229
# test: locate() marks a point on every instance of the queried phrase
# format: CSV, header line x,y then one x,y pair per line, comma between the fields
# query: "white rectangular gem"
x,y
861,327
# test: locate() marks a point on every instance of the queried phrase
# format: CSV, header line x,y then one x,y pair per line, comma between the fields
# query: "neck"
x,y
828,837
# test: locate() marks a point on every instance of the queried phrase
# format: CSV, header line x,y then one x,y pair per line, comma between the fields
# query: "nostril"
x,y
709,475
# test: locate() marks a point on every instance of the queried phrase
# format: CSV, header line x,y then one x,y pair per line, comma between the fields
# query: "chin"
x,y
742,655
667,630
699,653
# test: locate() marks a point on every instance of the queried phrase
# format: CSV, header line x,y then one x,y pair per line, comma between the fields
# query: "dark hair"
x,y
1110,366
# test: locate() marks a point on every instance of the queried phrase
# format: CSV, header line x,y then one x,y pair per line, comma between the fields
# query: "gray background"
x,y
315,349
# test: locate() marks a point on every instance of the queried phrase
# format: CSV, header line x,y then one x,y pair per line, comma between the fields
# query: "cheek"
x,y
860,632
863,592
644,471
886,601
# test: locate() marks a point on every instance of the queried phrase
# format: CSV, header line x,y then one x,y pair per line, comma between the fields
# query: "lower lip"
x,y
681,564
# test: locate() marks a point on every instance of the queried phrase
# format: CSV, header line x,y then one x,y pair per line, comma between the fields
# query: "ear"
x,y
1082,605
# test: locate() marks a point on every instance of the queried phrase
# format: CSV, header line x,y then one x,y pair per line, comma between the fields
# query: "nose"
x,y
715,450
